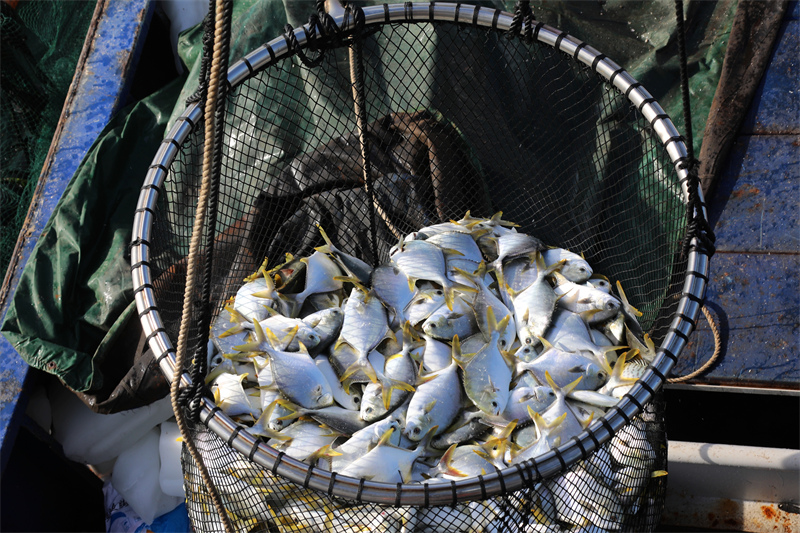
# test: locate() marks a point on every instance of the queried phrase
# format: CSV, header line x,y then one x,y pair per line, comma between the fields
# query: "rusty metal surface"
x,y
100,88
687,511
739,488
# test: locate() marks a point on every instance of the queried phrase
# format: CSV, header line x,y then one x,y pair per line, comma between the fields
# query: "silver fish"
x,y
421,260
575,268
600,283
350,401
302,439
425,302
322,275
565,367
298,378
435,402
534,306
326,323
391,286
511,246
463,243
537,398
443,323
343,421
352,266
600,506
581,298
253,299
386,463
486,375
364,327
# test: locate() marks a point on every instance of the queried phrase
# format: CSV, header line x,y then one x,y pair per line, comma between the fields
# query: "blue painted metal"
x,y
101,88
754,285
756,206
776,105
756,300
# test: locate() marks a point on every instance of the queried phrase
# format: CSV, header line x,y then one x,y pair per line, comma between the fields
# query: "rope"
x,y
711,360
359,107
202,204
697,226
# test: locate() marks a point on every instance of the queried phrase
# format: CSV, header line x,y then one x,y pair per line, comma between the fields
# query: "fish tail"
x,y
362,364
326,452
388,385
450,292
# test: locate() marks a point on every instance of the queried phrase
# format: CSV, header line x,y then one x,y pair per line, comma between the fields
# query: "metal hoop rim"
x,y
491,484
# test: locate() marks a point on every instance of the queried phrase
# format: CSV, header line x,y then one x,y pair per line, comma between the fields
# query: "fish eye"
x,y
494,404
439,293
368,410
551,393
582,269
528,340
502,342
611,305
601,375
356,399
415,431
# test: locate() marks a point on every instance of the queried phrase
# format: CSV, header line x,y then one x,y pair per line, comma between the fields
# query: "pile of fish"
x,y
476,347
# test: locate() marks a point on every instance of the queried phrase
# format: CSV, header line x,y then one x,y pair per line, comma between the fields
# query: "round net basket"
x,y
462,115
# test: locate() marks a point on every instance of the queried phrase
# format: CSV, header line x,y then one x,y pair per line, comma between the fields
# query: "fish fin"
x,y
571,386
421,380
444,463
450,292
545,343
238,328
236,316
362,364
388,385
352,280
554,268
628,307
249,347
385,437
429,407
326,452
328,242
658,473
261,426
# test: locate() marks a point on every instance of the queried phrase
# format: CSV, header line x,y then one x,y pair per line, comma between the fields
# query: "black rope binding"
x,y
698,226
205,62
191,397
522,21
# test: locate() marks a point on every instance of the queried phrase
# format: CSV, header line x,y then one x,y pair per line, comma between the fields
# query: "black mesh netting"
x,y
40,43
460,118
256,500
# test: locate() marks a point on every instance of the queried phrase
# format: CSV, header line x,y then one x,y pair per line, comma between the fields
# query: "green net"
x,y
40,43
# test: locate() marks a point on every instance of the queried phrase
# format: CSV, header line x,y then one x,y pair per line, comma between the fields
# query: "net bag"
x,y
462,109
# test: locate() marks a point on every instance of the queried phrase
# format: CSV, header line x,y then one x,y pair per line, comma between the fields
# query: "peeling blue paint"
x,y
103,88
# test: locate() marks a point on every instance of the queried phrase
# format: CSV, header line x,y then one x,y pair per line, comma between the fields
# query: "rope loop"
x,y
291,41
523,17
